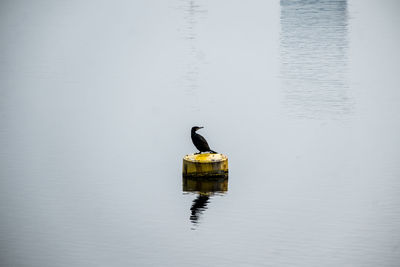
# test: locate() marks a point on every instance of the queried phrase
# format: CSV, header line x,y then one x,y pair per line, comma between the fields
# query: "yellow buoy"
x,y
205,165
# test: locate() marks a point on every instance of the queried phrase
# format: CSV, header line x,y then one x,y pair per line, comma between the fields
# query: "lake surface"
x,y
98,98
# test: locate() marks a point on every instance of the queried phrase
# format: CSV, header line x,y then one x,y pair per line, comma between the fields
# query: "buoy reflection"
x,y
204,188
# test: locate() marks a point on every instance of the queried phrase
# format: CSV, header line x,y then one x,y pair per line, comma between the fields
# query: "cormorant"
x,y
199,142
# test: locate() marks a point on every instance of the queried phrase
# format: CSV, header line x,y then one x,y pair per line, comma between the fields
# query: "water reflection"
x,y
314,47
193,13
205,188
199,205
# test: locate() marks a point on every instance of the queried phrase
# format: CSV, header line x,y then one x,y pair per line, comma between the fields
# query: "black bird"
x,y
199,142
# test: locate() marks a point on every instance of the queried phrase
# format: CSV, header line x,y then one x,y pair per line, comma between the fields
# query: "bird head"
x,y
195,128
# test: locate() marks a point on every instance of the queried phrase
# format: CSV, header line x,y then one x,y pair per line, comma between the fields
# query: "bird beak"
x,y
201,127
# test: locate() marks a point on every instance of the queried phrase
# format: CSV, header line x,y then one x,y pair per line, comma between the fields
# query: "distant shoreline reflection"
x,y
314,43
205,188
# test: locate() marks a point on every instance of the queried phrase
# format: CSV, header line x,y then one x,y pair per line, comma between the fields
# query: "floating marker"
x,y
205,165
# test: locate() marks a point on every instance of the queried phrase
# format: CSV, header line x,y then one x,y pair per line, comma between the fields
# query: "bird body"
x,y
199,141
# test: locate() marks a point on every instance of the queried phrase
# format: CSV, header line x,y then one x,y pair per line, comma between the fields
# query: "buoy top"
x,y
205,158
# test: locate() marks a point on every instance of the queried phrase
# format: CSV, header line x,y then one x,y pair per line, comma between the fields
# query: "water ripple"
x,y
314,46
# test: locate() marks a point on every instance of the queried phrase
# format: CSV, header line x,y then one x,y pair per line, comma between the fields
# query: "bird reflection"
x,y
199,205
204,188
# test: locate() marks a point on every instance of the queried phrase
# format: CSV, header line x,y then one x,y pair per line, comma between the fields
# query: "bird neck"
x,y
193,133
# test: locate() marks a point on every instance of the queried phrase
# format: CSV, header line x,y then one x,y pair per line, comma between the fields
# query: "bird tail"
x,y
212,151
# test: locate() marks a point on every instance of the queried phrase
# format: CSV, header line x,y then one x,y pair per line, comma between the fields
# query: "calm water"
x,y
98,98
